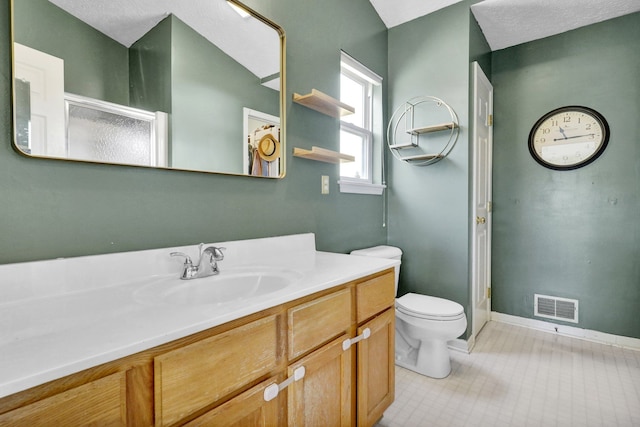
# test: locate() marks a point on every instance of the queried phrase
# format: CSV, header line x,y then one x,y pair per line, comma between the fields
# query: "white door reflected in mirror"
x,y
45,76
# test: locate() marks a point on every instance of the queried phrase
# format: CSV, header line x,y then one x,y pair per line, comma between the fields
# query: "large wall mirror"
x,y
180,84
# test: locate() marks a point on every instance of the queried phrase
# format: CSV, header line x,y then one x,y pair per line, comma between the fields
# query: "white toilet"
x,y
424,324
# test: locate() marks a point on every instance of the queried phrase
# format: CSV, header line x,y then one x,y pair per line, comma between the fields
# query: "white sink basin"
x,y
226,287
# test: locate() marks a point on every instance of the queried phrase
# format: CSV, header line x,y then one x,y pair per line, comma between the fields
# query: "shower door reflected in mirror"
x,y
197,63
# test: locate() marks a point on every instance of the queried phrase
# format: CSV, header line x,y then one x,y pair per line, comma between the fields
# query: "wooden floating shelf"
x,y
323,103
322,155
432,128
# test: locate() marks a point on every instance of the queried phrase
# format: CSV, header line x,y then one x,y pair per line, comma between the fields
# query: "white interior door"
x,y
482,161
45,73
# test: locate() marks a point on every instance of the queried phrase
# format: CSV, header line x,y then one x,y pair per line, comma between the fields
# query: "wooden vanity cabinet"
x,y
324,396
219,376
376,368
344,384
375,299
317,329
193,377
247,409
318,320
374,295
101,402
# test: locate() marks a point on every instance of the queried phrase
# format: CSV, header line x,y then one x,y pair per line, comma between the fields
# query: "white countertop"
x,y
45,335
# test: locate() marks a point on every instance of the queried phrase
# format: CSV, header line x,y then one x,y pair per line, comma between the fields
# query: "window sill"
x,y
355,187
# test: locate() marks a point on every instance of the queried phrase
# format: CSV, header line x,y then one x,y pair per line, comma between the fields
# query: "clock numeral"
x,y
545,131
566,119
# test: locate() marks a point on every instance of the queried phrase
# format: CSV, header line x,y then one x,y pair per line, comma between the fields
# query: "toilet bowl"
x,y
424,324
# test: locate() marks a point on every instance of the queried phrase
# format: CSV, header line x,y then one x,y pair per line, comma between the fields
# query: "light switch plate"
x,y
325,184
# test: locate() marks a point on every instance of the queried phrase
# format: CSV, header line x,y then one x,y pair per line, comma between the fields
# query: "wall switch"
x,y
325,184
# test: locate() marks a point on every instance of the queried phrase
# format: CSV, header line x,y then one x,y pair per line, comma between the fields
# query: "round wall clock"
x,y
568,138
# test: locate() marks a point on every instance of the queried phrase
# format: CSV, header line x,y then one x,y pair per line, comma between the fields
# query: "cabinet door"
x,y
376,369
193,377
323,397
247,409
100,403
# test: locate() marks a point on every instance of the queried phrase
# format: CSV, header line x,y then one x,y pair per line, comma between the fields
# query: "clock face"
x,y
568,138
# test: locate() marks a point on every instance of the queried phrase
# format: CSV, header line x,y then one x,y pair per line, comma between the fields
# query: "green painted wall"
x,y
209,91
174,69
429,206
60,209
94,65
572,234
150,69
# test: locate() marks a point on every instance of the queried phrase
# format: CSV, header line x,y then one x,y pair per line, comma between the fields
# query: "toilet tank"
x,y
382,251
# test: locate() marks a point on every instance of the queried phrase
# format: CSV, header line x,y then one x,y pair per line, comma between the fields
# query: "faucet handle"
x,y
217,253
187,258
188,270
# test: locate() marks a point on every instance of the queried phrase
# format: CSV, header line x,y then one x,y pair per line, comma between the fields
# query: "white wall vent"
x,y
556,308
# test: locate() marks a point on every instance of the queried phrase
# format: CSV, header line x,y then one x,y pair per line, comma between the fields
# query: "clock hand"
x,y
562,132
572,137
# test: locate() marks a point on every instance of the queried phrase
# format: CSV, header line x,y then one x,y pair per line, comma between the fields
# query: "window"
x,y
358,87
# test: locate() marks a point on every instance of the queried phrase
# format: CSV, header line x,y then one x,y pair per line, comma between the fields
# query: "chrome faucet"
x,y
207,264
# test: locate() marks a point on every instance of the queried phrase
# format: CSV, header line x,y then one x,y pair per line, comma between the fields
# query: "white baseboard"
x,y
460,345
569,331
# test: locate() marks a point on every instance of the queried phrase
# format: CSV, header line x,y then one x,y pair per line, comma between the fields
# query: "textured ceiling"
x,y
249,41
504,23
396,12
507,23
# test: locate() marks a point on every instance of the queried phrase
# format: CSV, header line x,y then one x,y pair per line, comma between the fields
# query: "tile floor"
x,y
521,377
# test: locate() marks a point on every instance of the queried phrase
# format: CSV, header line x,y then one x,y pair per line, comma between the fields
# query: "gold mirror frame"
x,y
281,97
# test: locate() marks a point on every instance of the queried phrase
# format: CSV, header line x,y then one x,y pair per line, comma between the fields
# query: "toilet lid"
x,y
424,305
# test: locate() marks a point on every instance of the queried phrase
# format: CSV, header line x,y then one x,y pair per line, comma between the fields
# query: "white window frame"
x,y
358,72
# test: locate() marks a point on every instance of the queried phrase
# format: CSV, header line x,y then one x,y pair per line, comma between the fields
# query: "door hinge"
x,y
489,293
489,206
490,120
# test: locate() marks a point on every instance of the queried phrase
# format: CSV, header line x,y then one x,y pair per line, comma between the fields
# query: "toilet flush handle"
x,y
346,344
